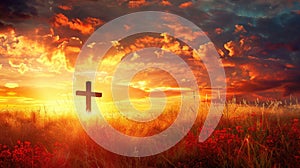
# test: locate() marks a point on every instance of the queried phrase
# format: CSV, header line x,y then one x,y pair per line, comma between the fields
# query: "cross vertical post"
x,y
88,97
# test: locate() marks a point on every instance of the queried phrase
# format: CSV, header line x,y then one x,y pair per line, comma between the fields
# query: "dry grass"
x,y
258,135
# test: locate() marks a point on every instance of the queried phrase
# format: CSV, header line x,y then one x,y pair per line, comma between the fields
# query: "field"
x,y
248,135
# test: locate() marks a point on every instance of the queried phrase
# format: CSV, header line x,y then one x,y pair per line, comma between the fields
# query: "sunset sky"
x,y
258,44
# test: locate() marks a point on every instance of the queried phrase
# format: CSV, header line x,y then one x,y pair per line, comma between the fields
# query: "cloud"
x,y
257,8
186,4
239,28
46,52
135,56
22,67
219,30
5,27
165,3
137,4
231,47
87,26
262,77
11,85
204,50
289,86
242,47
65,7
185,32
16,10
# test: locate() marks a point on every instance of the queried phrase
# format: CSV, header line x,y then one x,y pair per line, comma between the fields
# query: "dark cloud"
x,y
291,88
16,10
5,27
290,84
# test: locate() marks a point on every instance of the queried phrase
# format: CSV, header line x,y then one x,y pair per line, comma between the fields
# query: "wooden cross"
x,y
88,95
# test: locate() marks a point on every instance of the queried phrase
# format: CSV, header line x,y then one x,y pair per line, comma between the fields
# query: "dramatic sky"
x,y
258,43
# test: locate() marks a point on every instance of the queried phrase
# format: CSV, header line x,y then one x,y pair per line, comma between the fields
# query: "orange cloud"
x,y
162,41
136,3
231,47
250,70
39,53
239,48
219,30
165,3
167,44
185,32
65,7
228,64
289,66
87,26
186,5
240,28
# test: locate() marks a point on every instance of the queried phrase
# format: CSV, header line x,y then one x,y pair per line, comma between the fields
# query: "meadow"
x,y
258,134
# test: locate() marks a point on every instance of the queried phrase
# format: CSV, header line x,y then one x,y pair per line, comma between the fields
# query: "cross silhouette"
x,y
88,95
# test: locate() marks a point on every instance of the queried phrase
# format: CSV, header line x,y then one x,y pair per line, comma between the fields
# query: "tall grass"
x,y
258,134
